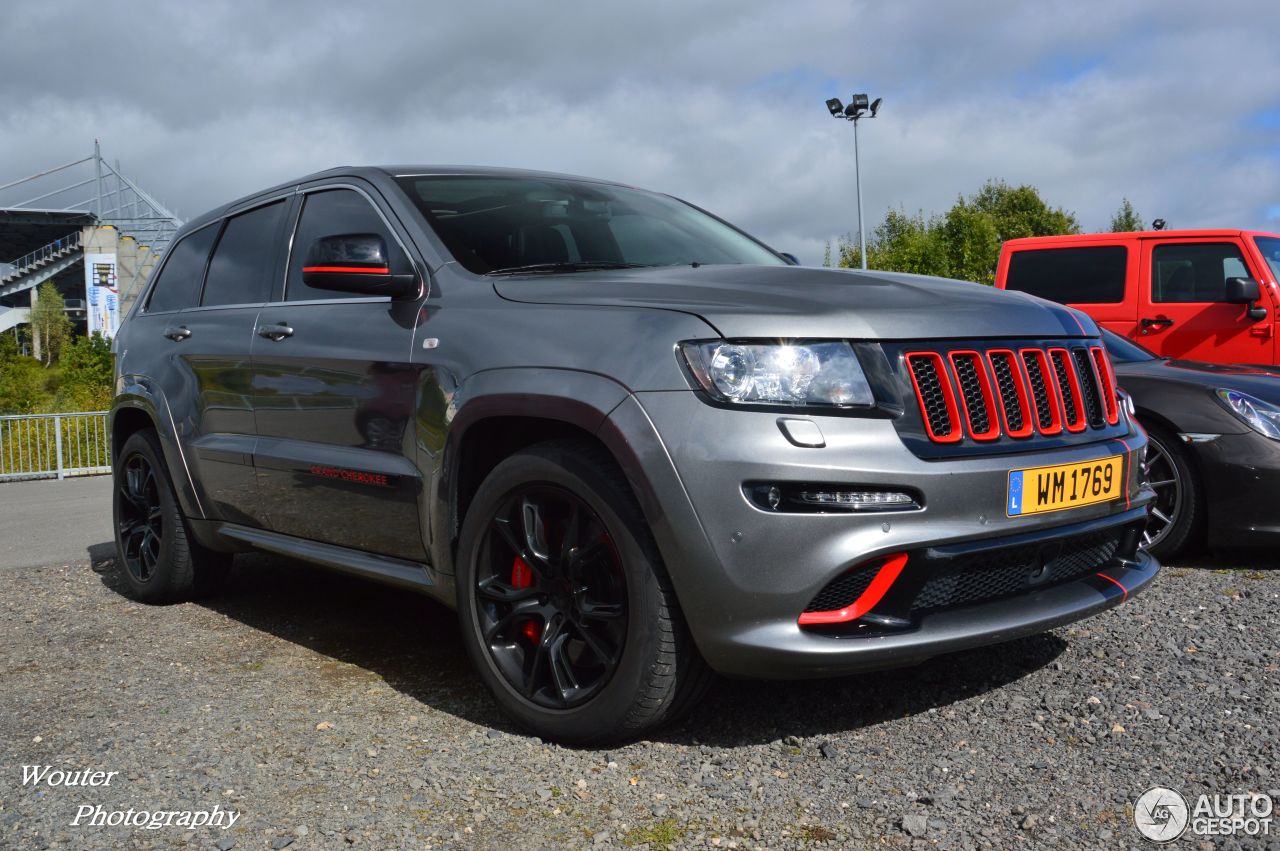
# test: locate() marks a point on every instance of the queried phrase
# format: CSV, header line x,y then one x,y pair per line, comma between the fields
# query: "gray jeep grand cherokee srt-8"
x,y
629,443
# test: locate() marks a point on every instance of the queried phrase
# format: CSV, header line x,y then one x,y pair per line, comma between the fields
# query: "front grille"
x,y
985,576
1017,392
844,590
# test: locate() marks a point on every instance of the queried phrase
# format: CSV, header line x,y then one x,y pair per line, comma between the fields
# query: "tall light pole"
x,y
858,106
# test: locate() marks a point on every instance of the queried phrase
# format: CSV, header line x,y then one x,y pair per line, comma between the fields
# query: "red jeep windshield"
x,y
1270,248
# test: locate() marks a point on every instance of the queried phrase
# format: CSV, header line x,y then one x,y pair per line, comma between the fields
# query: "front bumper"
x,y
744,575
1241,474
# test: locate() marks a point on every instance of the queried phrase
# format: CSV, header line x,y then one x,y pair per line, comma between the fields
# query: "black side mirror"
x,y
355,263
1242,291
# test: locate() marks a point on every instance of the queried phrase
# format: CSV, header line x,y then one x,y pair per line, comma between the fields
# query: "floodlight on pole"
x,y
859,105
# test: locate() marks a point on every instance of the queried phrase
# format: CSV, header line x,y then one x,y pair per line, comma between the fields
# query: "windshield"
x,y
514,224
1124,350
1270,248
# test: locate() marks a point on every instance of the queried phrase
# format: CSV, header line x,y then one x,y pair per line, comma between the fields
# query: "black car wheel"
x,y
159,561
1174,514
566,610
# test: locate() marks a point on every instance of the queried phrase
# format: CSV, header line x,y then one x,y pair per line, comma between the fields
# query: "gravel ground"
x,y
330,713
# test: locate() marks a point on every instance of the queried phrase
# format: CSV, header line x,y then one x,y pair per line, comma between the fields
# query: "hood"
x,y
799,302
1262,382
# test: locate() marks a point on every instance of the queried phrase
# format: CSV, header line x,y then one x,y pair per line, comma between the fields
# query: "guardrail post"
x,y
57,443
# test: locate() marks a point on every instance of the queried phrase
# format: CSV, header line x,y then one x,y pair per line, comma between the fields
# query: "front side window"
x,y
502,224
1269,246
1087,275
178,286
242,265
333,212
1194,272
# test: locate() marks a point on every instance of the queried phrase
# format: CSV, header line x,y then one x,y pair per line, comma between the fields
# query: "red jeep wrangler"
x,y
1207,295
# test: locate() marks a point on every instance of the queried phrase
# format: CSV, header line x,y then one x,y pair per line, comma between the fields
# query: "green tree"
x,y
965,242
85,376
49,323
23,383
1126,219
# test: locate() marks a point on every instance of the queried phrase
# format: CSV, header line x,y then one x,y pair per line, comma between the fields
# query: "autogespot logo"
x,y
1161,814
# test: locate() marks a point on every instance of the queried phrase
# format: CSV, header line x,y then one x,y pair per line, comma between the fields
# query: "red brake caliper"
x,y
522,577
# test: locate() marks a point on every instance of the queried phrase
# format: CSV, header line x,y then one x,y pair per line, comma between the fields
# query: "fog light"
x,y
822,498
857,500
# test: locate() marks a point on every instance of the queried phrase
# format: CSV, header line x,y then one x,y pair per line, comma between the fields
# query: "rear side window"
x,y
334,212
1092,275
242,265
1194,272
178,286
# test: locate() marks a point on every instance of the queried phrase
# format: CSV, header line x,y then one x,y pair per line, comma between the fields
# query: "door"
x,y
334,397
1182,313
216,350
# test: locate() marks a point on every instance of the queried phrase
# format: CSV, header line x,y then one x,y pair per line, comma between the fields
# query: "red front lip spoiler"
x,y
880,585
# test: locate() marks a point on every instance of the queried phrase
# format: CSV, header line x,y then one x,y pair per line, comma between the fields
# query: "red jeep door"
x,y
1181,313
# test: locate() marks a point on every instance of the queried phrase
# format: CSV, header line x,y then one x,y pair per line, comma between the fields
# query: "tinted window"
x,y
1194,271
504,223
242,265
1093,275
334,212
179,283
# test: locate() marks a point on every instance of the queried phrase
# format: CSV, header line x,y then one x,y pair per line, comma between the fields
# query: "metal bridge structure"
x,y
49,221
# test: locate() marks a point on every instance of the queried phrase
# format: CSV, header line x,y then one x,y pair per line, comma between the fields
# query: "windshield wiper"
x,y
565,266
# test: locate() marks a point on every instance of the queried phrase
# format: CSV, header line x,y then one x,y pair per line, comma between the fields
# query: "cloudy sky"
x,y
1175,105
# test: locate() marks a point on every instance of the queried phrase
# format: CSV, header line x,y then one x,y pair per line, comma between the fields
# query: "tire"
x,y
158,559
1176,516
626,678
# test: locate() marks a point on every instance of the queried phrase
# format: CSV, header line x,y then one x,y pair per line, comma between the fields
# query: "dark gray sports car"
x,y
1214,456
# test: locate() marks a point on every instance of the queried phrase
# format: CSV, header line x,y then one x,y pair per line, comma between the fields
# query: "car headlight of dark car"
x,y
812,374
1262,417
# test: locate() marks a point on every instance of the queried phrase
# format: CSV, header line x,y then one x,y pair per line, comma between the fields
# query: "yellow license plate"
x,y
1041,489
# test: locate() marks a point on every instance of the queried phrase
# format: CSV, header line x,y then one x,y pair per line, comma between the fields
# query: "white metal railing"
x,y
54,446
45,252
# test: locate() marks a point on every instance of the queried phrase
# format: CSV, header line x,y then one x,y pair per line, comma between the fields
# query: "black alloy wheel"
x,y
551,597
157,558
566,608
140,517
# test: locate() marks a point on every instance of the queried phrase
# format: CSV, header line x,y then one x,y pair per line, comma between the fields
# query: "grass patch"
x,y
661,834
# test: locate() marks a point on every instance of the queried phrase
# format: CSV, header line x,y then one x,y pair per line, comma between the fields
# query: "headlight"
x,y
800,374
1262,417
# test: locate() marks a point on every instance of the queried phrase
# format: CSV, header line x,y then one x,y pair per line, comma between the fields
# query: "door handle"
x,y
275,332
177,333
1148,322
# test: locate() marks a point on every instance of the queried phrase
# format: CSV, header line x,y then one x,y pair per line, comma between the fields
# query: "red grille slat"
x,y
936,396
1015,397
975,390
1068,386
1044,397
1109,401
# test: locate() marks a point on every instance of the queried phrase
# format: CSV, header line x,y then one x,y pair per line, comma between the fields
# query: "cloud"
x,y
717,102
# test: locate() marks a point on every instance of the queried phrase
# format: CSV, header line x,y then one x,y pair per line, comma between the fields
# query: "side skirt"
x,y
390,571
